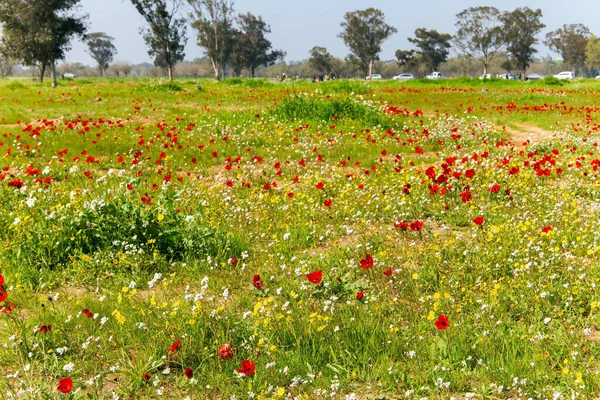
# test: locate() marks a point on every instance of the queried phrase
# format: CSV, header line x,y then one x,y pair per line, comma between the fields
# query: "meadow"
x,y
252,239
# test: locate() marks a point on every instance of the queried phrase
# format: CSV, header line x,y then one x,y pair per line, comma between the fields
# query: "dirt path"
x,y
521,133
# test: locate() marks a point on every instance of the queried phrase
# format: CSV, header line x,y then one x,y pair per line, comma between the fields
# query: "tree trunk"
x,y
370,69
170,72
42,72
103,73
216,68
53,72
485,66
252,72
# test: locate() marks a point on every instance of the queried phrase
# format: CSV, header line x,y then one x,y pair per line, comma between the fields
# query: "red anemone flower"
x,y
388,272
3,295
360,295
65,385
327,203
315,277
226,352
189,373
478,220
257,282
367,262
146,377
247,368
87,313
45,328
175,346
546,229
442,322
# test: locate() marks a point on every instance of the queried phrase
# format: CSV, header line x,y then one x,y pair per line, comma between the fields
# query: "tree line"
x,y
39,33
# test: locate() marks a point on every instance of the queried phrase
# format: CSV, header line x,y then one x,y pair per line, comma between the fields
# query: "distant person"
x,y
314,79
333,76
297,76
321,76
283,76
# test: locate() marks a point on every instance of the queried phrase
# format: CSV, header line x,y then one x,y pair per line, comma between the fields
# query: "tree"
x,y
214,23
165,35
520,28
320,59
364,31
101,48
480,34
39,32
251,47
433,46
592,52
408,60
570,42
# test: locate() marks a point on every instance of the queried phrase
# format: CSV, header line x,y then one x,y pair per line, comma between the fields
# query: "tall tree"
x,y
570,42
39,32
433,46
214,23
521,28
101,49
364,31
165,35
408,60
592,52
252,49
320,59
480,34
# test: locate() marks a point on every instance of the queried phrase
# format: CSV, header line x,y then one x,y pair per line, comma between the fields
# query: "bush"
x,y
552,81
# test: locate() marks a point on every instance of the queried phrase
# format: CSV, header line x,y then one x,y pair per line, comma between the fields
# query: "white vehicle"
x,y
435,75
69,75
374,77
565,75
534,77
487,76
598,78
403,77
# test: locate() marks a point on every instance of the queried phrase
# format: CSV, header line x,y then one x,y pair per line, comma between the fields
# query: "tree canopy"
x,y
570,42
166,34
101,49
433,46
521,27
320,60
364,31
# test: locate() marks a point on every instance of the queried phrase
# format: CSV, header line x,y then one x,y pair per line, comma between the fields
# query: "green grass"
x,y
153,205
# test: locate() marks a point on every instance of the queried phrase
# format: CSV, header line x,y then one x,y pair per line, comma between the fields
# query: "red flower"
x,y
360,295
546,229
3,295
87,313
401,225
8,308
16,183
146,377
442,322
257,282
226,352
234,261
478,220
327,203
315,277
418,150
470,173
65,385
320,185
1,280
416,226
247,368
45,328
387,272
175,346
367,262
189,373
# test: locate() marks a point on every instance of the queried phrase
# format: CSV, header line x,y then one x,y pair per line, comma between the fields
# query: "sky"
x,y
298,26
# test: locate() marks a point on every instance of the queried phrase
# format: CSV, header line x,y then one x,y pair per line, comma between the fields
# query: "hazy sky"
x,y
297,26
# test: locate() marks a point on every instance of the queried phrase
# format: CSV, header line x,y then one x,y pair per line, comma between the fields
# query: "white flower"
x,y
30,202
69,367
547,320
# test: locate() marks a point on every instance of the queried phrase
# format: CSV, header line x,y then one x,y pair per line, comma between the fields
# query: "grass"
x,y
155,210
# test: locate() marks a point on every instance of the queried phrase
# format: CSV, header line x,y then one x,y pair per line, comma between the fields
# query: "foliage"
x,y
592,52
39,32
570,42
521,27
433,46
166,34
364,31
214,23
101,49
252,49
320,59
480,33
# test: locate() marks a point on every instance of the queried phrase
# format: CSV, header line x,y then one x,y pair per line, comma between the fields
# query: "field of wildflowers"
x,y
252,239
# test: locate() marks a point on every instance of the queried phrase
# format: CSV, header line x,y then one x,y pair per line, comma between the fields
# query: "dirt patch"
x,y
526,133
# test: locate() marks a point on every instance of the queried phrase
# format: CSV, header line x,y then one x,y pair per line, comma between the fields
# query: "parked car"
x,y
507,76
598,78
403,77
69,75
435,75
534,77
487,76
565,75
374,77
